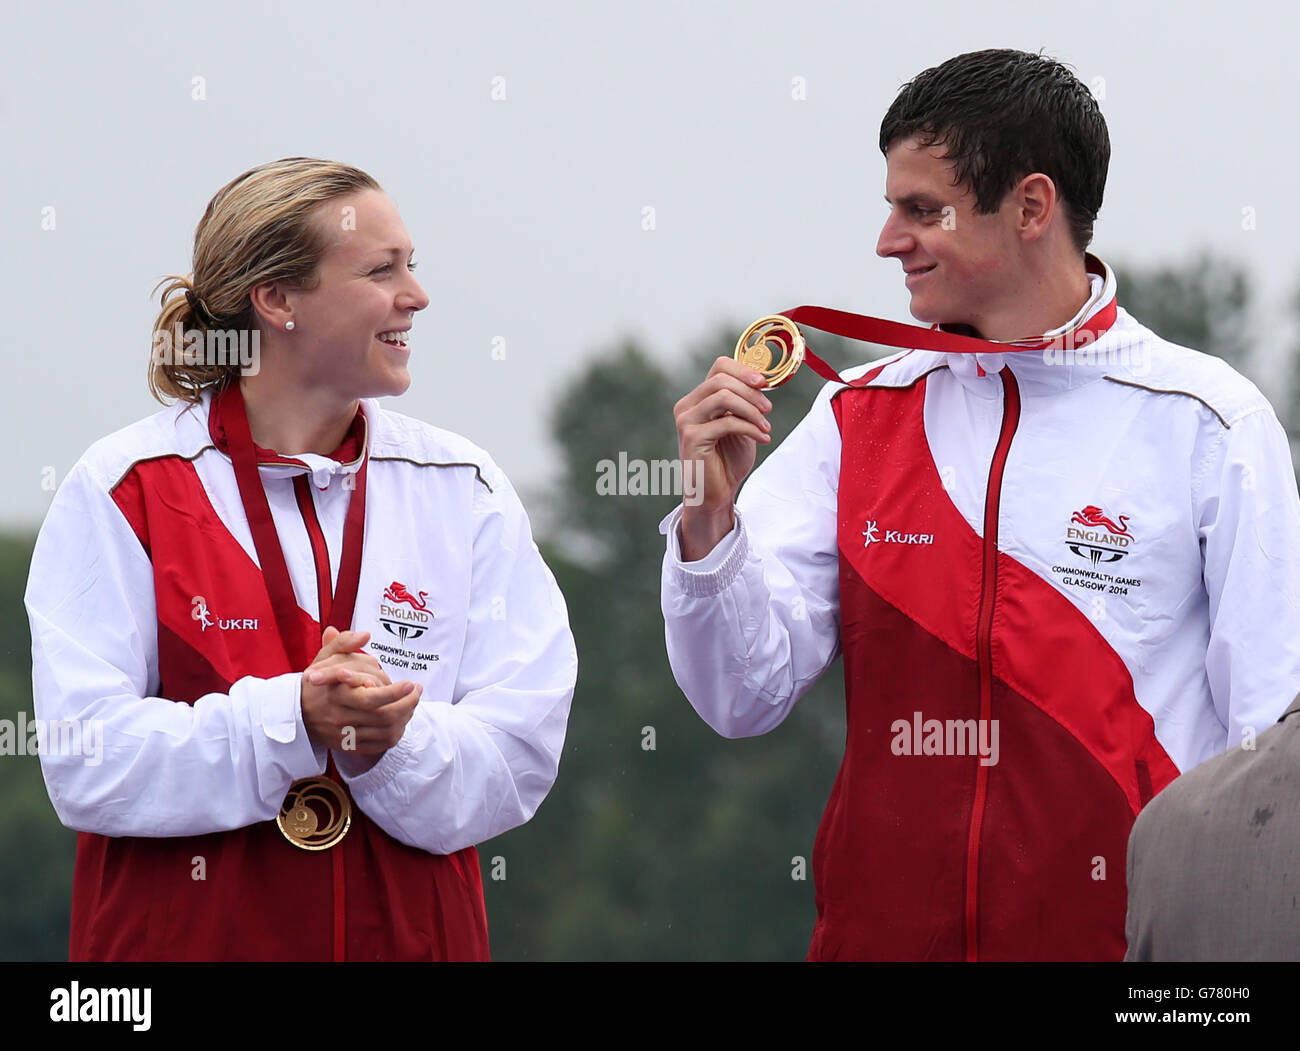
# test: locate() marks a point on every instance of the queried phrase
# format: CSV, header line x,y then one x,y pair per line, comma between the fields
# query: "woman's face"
x,y
366,290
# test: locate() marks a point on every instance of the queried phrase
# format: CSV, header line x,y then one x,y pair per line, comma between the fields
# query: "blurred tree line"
x,y
660,840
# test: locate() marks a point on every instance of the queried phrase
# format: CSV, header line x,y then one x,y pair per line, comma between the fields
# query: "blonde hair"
x,y
257,228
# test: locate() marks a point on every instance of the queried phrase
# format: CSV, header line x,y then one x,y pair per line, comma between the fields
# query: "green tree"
x,y
1204,304
687,850
1288,406
37,853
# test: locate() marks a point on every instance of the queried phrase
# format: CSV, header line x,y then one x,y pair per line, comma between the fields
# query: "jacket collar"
x,y
1049,370
346,459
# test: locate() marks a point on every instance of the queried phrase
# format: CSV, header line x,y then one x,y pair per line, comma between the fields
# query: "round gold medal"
x,y
315,814
772,346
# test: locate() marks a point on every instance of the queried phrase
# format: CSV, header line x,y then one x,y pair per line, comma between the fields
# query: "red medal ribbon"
x,y
336,610
299,651
913,337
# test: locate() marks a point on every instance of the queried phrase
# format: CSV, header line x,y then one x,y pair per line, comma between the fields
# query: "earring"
x,y
289,325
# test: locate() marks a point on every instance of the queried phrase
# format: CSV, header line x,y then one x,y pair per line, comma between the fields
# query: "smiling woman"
x,y
326,272
224,588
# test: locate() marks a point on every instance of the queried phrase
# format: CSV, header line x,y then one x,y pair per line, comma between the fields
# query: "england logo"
x,y
1094,535
403,614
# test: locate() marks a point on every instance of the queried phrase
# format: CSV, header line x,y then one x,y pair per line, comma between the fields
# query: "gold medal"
x,y
315,814
772,346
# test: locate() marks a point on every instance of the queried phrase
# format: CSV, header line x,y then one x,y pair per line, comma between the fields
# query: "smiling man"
x,y
1083,544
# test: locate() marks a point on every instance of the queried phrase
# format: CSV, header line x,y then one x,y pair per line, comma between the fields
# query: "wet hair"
x,y
1001,115
259,227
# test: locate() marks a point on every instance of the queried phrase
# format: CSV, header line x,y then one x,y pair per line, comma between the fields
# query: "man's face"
x,y
366,289
960,266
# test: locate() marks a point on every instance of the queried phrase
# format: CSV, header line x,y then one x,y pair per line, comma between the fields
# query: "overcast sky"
x,y
527,212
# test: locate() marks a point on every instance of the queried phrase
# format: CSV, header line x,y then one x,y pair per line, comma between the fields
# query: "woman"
x,y
322,648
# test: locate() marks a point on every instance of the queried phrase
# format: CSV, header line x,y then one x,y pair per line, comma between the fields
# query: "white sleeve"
x,y
1249,524
116,759
469,770
752,625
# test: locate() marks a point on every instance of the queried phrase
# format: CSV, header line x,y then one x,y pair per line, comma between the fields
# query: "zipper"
x,y
325,599
984,644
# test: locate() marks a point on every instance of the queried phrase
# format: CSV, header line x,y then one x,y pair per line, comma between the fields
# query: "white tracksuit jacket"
x,y
1148,485
145,579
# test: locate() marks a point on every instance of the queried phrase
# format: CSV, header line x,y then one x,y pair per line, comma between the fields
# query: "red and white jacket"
x,y
1057,579
152,626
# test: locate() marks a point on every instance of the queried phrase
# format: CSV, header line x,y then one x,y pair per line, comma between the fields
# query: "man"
x,y
1214,861
1057,576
